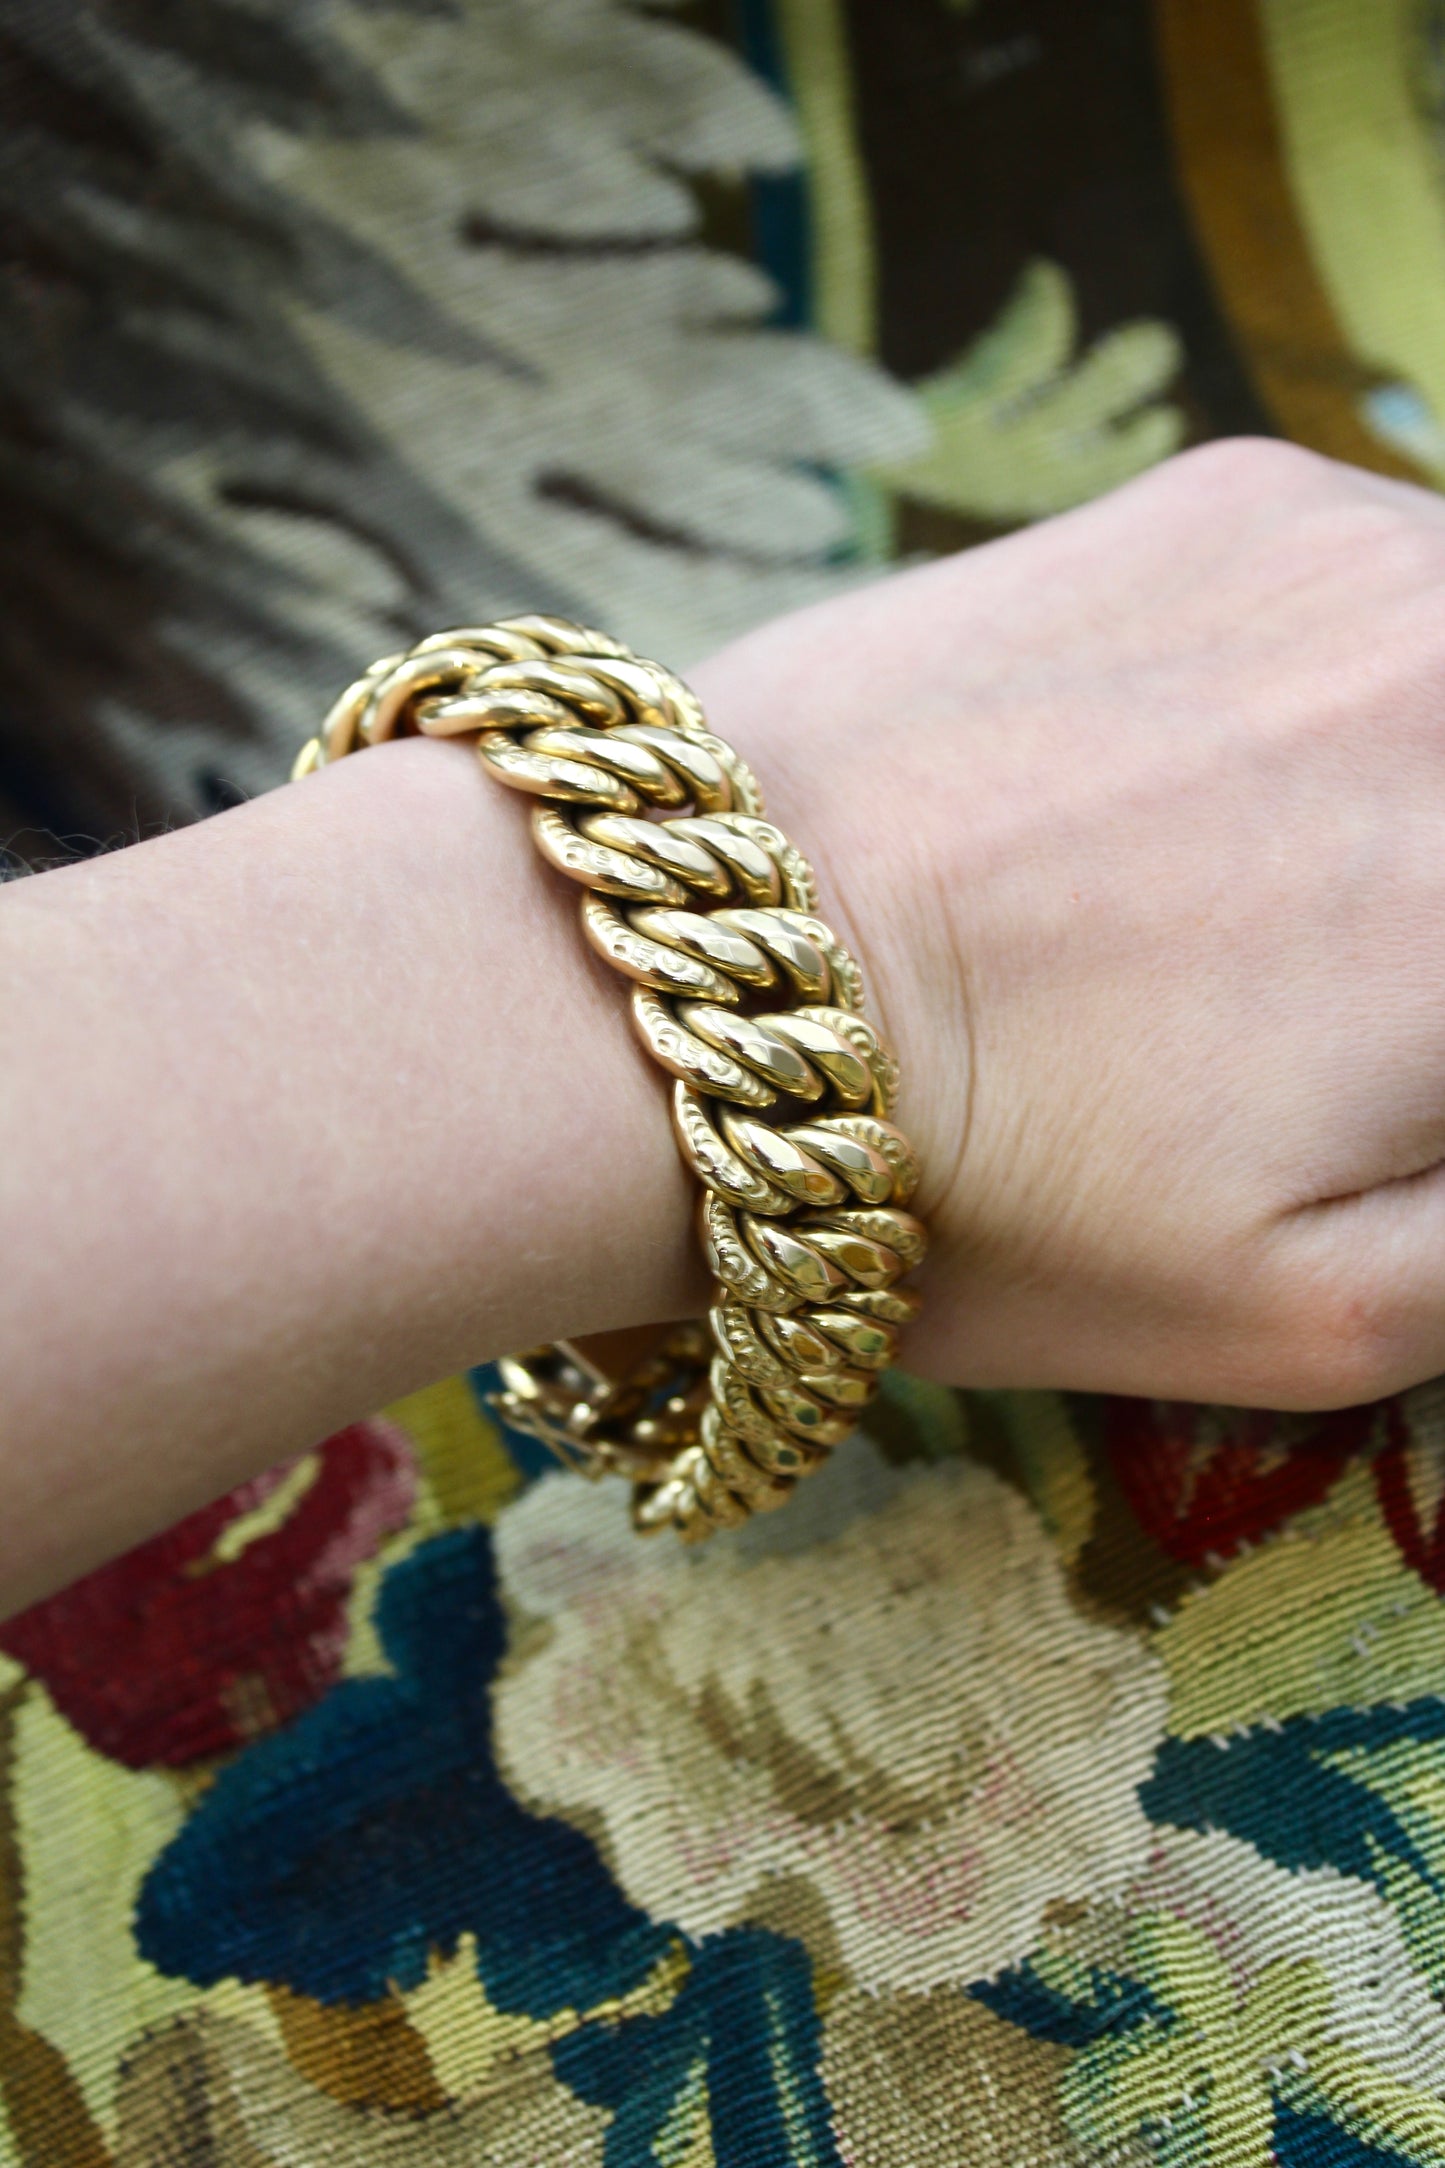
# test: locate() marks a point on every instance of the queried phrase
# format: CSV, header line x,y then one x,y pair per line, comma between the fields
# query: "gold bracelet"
x,y
783,1092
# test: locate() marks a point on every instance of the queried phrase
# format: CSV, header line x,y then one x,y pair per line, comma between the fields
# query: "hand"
x,y
1137,822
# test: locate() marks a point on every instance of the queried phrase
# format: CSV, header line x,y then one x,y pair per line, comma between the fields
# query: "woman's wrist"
x,y
323,1100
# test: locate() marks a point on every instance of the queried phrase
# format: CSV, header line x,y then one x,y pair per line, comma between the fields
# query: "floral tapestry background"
x,y
1058,1782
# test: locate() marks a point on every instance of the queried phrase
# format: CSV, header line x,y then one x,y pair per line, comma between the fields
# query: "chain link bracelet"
x,y
782,1093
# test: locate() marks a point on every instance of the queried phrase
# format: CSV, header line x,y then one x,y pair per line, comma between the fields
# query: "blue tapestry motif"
x,y
1023,1999
1285,1791
337,1855
1312,2141
745,2026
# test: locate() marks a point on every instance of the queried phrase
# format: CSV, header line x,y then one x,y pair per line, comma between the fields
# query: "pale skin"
x,y
1135,822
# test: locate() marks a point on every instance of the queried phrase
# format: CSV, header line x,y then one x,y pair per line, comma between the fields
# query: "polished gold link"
x,y
890,1305
753,872
868,1342
747,795
474,706
596,866
803,963
420,674
691,1519
748,998
643,688
343,718
760,1042
571,684
701,775
667,970
732,1262
806,1267
845,1388
504,642
655,1505
805,1417
777,1449
875,1160
816,1033
779,1154
702,935
798,1340
662,844
714,1163
867,1263
573,781
691,1058
722,1506
549,635
650,776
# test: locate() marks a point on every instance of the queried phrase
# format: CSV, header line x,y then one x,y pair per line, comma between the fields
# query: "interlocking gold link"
x,y
783,1095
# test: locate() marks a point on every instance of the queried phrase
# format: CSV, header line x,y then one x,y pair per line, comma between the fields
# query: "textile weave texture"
x,y
1059,1783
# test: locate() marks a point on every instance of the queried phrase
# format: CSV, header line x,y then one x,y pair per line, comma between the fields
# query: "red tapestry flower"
x,y
1203,1481
201,1639
1410,1485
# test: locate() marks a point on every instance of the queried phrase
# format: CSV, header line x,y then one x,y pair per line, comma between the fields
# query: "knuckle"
x,y
1249,468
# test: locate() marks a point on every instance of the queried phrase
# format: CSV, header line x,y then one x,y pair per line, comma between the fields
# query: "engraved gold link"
x,y
649,775
714,1164
739,1340
661,843
691,1058
573,781
780,1155
746,790
875,1159
571,684
759,1041
847,980
725,1450
776,1448
800,1341
734,1264
748,998
902,1233
667,970
615,873
711,942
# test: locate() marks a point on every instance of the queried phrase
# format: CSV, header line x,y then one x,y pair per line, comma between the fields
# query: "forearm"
x,y
301,1110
